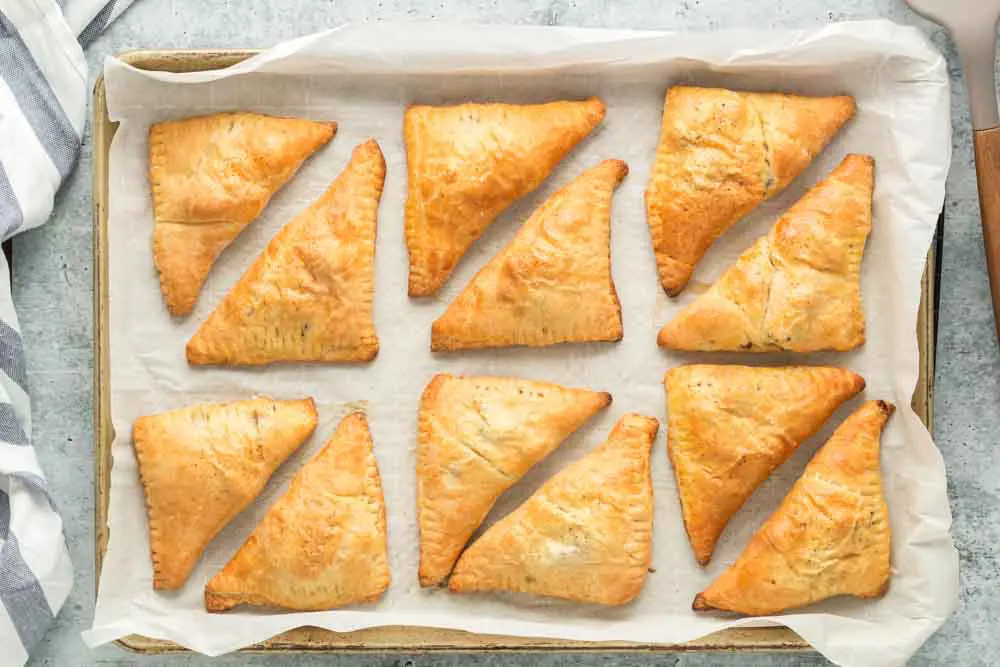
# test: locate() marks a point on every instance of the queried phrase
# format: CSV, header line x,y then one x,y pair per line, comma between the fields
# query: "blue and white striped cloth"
x,y
43,99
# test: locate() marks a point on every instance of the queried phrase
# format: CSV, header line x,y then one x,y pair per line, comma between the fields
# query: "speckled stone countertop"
x,y
53,291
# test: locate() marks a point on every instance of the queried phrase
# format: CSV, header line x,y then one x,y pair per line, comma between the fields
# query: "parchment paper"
x,y
363,76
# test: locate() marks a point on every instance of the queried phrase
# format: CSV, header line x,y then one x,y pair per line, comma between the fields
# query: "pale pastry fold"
x,y
201,466
309,295
830,536
729,427
552,283
721,153
468,163
210,177
796,289
477,436
323,543
585,535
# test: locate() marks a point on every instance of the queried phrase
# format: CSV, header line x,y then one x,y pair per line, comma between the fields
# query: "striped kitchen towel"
x,y
43,98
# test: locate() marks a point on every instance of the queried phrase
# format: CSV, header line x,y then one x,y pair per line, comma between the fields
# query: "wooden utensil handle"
x,y
987,146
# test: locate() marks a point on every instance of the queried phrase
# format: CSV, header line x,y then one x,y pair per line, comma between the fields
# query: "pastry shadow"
x,y
771,359
567,609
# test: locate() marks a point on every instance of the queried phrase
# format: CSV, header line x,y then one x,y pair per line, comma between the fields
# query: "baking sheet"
x,y
363,76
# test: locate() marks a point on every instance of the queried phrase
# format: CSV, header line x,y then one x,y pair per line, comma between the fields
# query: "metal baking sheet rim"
x,y
386,638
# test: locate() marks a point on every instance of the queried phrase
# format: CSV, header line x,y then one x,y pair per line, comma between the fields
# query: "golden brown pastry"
x,y
322,544
201,466
829,537
468,163
585,535
721,154
211,176
731,426
799,287
477,436
552,283
308,296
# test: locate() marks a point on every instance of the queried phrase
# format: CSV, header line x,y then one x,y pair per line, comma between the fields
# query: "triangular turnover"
x,y
201,466
585,535
796,289
309,295
468,163
210,177
323,543
729,427
830,536
552,283
721,153
477,436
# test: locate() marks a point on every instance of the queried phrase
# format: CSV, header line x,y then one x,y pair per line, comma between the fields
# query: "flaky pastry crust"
x,y
731,426
210,177
201,466
323,543
309,295
796,289
477,436
830,536
552,283
721,153
585,535
468,163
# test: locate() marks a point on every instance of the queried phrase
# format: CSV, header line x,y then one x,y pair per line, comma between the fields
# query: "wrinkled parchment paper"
x,y
363,76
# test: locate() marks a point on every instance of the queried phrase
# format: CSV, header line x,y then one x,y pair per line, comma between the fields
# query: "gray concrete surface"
x,y
53,288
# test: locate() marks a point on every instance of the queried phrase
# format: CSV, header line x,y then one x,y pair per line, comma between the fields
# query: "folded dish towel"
x,y
43,99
